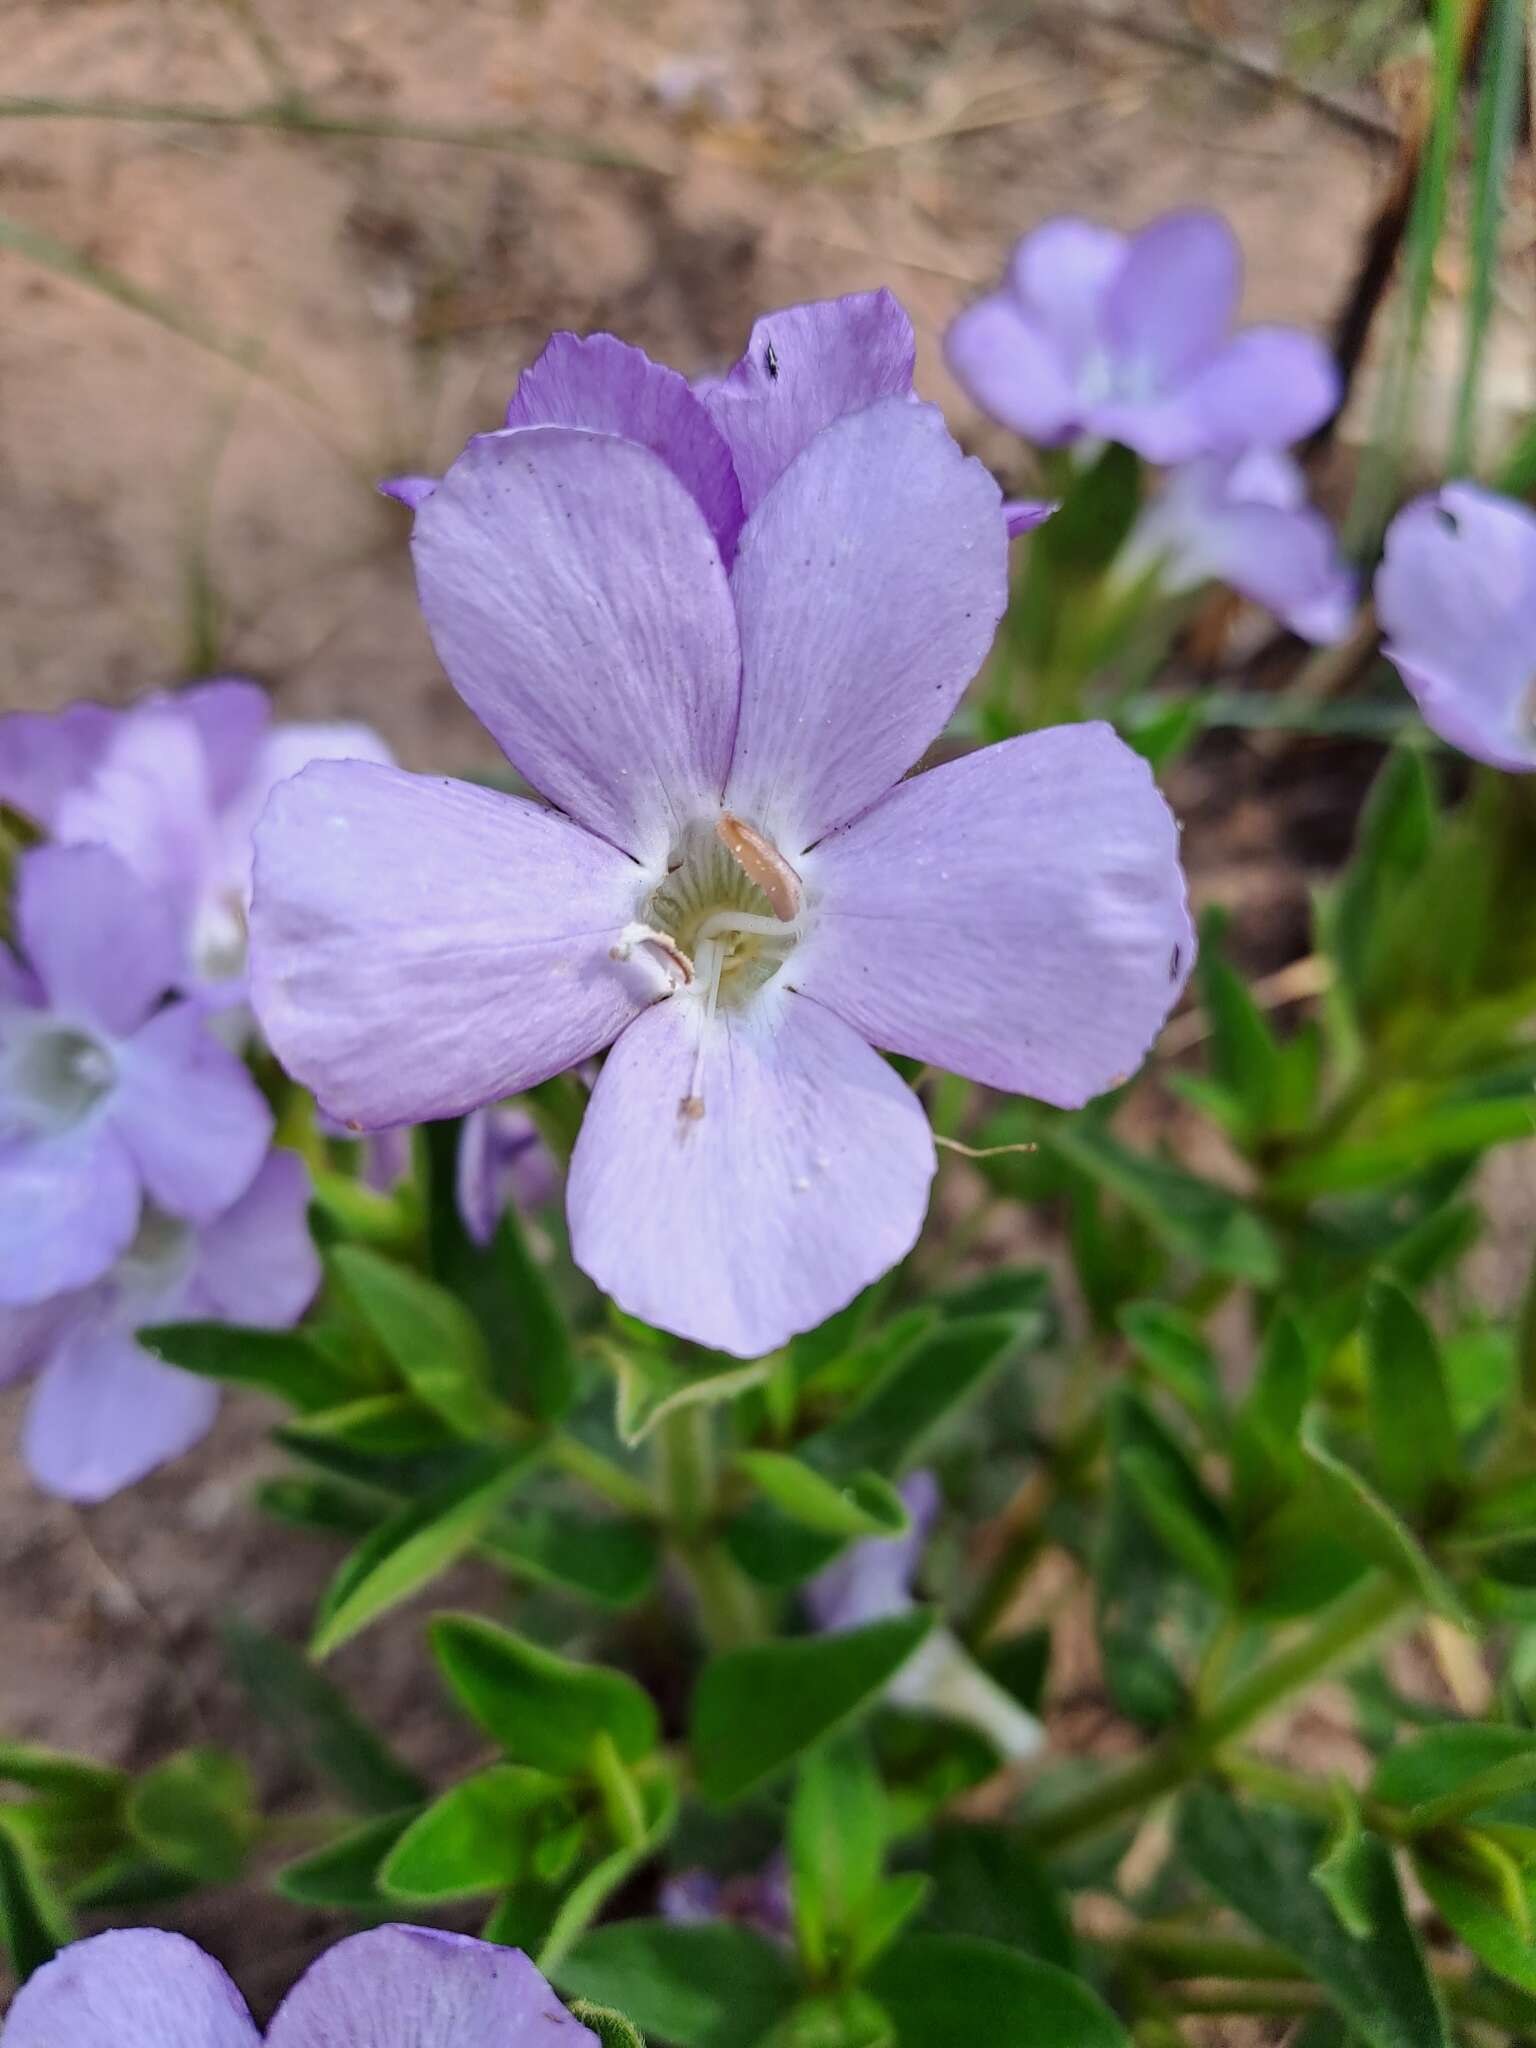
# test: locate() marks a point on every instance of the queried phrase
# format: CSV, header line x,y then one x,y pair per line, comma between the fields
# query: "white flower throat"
x,y
57,1076
724,921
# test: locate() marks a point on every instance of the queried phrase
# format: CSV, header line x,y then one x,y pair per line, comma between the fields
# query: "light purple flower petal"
x,y
602,383
68,1206
410,491
285,750
502,1161
1017,916
1456,594
1023,515
1171,303
868,584
1014,371
104,1413
420,947
230,716
27,1335
804,1177
257,1263
1061,273
1268,387
150,800
189,1112
416,1987
873,1580
135,1987
45,754
576,598
804,367
102,945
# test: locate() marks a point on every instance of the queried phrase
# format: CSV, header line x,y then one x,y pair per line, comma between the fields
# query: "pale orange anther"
x,y
763,864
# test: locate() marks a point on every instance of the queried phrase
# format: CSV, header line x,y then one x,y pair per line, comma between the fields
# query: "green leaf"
x,y
836,1843
591,1892
756,1710
611,2028
1172,1346
1094,517
543,1360
1259,1860
282,1363
893,1903
194,1813
1396,831
1449,1130
891,1426
1460,1769
378,1425
706,1986
865,1505
1413,1432
429,1336
1243,1051
413,1545
1364,1520
34,1923
954,1990
345,1873
315,1719
612,1562
1345,1873
319,1504
651,1388
988,1881
543,1709
1481,1921
69,1781
480,1836
1193,1217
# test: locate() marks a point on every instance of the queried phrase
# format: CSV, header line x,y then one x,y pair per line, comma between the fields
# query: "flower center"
x,y
61,1075
159,1255
731,906
219,938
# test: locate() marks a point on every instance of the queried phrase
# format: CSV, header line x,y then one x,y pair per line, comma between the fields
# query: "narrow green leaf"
x,y
1479,1920
953,1991
482,1835
545,1363
345,1873
69,1781
543,1709
1243,1051
1345,1873
1453,1130
587,1897
34,1923
1172,1346
1364,1519
379,1425
650,1388
282,1363
866,1505
195,1814
1498,108
1413,1431
612,1562
316,1720
414,1545
1459,1769
836,1842
1259,1861
756,1710
988,1881
891,1426
706,1986
429,1336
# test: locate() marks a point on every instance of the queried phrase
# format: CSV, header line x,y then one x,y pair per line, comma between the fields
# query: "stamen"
x,y
679,966
763,864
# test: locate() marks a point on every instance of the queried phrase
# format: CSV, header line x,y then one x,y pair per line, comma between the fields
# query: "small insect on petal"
x,y
762,863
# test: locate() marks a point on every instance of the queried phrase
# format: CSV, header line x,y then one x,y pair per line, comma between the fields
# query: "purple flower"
x,y
392,1987
1456,595
108,1098
1128,338
732,888
1244,520
104,1412
758,1899
174,787
503,1163
873,1581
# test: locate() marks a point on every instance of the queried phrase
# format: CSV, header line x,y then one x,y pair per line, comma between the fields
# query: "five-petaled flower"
x,y
110,1097
392,1987
730,884
104,1412
1128,338
1456,596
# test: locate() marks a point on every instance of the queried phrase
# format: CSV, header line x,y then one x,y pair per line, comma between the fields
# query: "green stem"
x,y
1344,1631
602,1475
620,1794
1175,1951
730,1612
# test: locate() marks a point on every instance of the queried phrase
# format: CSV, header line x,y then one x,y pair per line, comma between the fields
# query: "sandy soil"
x,y
163,510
